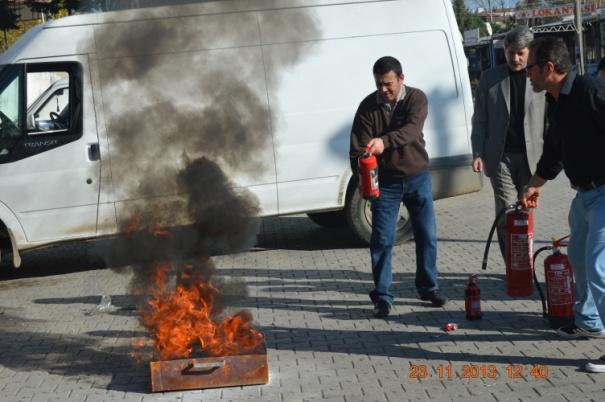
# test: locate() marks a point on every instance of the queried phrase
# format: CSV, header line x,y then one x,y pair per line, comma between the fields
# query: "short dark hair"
x,y
386,64
601,65
552,49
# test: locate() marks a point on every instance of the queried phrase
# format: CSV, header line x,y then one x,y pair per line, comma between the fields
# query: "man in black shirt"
x,y
508,124
575,142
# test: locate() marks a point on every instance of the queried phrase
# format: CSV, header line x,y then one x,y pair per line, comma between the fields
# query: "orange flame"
x,y
182,321
160,232
134,225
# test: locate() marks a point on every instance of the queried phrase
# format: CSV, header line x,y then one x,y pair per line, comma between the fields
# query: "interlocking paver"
x,y
307,289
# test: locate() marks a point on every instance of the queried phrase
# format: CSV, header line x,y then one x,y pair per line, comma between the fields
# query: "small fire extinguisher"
x,y
368,175
472,299
560,290
519,232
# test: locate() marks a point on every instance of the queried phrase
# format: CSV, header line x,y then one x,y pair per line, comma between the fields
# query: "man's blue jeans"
x,y
587,256
417,195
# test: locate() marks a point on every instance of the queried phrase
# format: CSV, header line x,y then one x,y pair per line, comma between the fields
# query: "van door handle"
x,y
94,152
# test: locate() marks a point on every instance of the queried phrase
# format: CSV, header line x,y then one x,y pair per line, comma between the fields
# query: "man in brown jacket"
x,y
389,124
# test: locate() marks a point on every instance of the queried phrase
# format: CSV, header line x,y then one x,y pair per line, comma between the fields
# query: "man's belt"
x,y
589,185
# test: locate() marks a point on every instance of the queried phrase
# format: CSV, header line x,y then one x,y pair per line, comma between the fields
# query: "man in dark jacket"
x,y
388,124
574,142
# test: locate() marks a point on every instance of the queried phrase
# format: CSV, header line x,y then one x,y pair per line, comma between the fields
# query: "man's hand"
x,y
530,196
375,146
478,164
531,193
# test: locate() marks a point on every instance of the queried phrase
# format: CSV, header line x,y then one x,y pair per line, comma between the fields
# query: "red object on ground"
x,y
449,326
519,227
368,175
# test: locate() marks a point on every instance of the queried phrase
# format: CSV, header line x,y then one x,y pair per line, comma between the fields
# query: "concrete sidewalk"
x,y
308,293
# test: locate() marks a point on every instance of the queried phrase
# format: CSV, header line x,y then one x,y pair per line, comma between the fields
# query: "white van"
x,y
282,79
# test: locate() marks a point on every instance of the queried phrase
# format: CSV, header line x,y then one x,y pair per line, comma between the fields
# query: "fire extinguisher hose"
x,y
492,230
538,287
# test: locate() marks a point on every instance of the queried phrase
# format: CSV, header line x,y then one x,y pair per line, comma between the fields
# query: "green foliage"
x,y
9,20
12,32
13,35
467,20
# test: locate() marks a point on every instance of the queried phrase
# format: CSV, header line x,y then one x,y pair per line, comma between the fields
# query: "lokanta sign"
x,y
559,11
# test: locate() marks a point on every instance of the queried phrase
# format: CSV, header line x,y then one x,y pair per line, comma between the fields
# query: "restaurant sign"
x,y
559,11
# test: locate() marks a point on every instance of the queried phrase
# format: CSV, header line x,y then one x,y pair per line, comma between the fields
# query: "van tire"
x,y
332,219
359,219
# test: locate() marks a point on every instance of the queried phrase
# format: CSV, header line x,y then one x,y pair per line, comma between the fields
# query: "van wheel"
x,y
359,218
332,219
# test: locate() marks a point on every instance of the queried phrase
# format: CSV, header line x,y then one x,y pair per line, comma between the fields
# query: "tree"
x,y
461,13
9,19
467,20
488,6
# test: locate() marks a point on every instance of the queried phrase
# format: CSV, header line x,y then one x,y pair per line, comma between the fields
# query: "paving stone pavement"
x,y
307,289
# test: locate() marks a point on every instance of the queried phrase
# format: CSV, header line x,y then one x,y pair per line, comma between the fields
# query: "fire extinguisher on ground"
x,y
560,289
472,299
519,232
368,175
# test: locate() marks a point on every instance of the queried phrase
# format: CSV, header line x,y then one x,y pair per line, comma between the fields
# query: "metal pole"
x,y
579,37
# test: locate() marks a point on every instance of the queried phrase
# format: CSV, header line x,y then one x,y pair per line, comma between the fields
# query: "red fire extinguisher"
x,y
519,228
519,232
560,289
368,175
472,299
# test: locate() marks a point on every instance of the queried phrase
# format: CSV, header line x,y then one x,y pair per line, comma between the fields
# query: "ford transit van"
x,y
91,105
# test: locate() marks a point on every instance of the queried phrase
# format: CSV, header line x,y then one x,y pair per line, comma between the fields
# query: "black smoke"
x,y
186,109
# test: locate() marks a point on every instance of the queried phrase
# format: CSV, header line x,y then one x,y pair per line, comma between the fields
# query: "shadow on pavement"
x,y
279,233
78,357
55,260
87,354
406,344
301,233
70,356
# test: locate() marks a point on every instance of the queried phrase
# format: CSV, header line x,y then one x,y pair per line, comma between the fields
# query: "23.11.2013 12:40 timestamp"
x,y
470,371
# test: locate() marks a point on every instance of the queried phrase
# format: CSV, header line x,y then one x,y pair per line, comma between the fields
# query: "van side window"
x,y
40,108
48,102
10,110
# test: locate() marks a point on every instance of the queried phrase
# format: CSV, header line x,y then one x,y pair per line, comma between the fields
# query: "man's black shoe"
x,y
435,297
382,309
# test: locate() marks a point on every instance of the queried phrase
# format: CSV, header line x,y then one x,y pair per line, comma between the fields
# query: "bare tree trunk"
x,y
579,37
